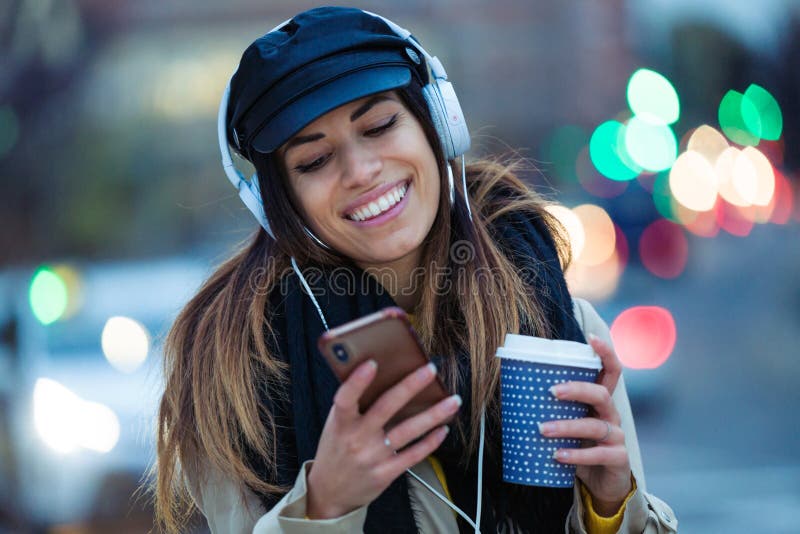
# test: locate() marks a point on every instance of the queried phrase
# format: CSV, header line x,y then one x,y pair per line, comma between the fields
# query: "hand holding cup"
x,y
602,464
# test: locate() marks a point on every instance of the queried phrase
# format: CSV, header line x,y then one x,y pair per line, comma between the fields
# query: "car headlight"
x,y
65,422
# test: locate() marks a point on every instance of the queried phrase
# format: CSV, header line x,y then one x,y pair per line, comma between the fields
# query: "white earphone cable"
x,y
477,523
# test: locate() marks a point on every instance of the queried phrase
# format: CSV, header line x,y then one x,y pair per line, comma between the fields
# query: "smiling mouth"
x,y
380,205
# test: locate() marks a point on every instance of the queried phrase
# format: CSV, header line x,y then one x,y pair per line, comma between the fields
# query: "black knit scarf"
x,y
301,410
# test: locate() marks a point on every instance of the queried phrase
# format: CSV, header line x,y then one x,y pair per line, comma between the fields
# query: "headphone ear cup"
x,y
251,197
447,117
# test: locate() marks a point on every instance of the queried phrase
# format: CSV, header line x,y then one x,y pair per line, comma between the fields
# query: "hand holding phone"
x,y
357,457
387,337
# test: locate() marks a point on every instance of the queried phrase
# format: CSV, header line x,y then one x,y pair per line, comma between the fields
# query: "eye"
x,y
375,132
313,166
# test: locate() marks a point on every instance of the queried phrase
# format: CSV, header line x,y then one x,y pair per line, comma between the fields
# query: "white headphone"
x,y
445,111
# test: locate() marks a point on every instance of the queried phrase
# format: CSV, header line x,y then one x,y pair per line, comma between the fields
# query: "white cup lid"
x,y
549,351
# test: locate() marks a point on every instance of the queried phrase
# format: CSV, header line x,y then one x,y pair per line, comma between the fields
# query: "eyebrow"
x,y
362,109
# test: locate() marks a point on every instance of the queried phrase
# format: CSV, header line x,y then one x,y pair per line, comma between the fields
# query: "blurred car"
x,y
80,379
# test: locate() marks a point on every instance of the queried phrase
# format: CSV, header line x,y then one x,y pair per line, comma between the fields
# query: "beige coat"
x,y
231,508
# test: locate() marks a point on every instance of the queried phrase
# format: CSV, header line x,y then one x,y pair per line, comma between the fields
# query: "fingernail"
x,y
446,430
368,368
426,372
593,337
456,400
560,454
545,428
558,390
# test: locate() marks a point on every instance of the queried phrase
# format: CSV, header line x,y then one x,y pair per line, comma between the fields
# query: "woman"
x,y
354,131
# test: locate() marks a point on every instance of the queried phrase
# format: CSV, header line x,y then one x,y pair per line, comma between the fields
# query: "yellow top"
x,y
595,523
437,468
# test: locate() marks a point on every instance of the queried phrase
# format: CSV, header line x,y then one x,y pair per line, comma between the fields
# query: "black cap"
x,y
319,60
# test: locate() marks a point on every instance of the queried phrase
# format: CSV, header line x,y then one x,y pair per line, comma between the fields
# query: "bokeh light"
x,y
54,408
47,296
644,336
9,129
600,237
125,343
770,119
609,154
664,249
738,117
662,198
736,220
65,422
561,150
734,175
693,182
652,97
98,427
708,142
572,224
700,223
774,150
764,177
784,200
73,281
595,282
599,282
653,147
595,183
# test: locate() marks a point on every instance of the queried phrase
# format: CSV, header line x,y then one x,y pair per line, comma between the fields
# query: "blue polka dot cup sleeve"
x,y
529,367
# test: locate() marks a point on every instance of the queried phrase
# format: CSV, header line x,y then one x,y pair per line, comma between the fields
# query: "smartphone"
x,y
387,337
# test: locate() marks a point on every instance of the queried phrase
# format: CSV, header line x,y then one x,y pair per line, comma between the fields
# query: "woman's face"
x,y
366,179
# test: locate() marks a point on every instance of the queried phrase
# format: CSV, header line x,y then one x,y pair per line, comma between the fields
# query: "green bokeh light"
x,y
770,121
739,119
608,154
47,296
562,148
653,98
662,198
652,146
9,129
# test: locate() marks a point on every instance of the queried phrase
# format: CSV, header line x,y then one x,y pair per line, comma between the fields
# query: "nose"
x,y
362,165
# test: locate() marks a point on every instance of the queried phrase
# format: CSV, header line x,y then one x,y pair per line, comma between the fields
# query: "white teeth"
x,y
380,205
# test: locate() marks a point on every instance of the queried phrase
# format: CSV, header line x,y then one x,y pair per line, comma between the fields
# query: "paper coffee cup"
x,y
529,367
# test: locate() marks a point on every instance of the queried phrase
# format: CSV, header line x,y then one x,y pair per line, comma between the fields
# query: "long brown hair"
x,y
217,356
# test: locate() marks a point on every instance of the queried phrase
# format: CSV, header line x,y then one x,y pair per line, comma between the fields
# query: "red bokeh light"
x,y
623,252
783,198
735,220
644,336
773,150
664,249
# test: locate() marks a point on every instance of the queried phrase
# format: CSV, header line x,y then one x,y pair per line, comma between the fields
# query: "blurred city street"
x,y
723,450
665,132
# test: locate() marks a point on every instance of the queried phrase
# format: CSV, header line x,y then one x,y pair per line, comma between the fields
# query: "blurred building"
x,y
112,105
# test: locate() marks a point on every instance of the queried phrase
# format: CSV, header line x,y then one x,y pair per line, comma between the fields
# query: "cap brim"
x,y
303,111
